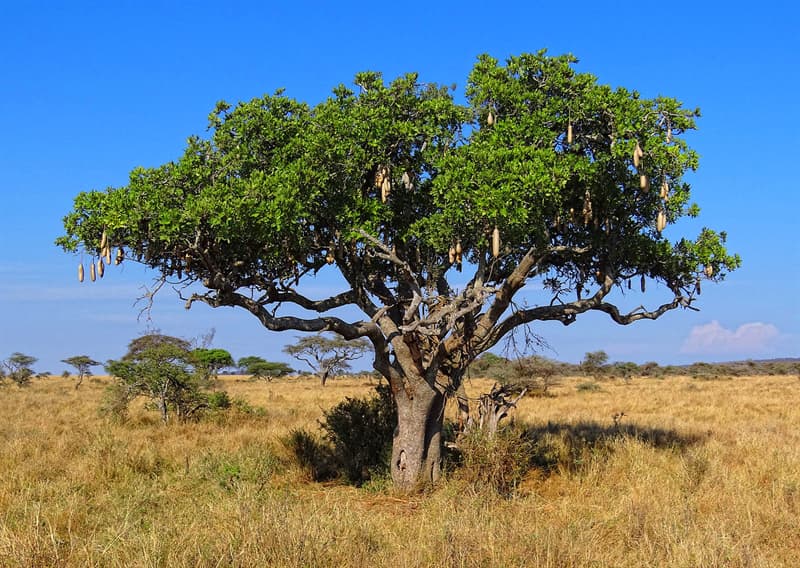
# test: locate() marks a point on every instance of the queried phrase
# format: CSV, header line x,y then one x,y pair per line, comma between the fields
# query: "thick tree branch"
x,y
291,296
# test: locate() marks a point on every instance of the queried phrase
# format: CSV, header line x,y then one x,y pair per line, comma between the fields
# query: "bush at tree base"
x,y
356,443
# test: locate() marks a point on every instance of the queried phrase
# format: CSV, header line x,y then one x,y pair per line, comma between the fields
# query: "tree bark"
x,y
417,444
162,408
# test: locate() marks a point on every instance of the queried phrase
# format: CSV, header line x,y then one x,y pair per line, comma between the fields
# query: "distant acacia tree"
x,y
83,365
19,368
594,362
259,368
212,361
327,355
159,367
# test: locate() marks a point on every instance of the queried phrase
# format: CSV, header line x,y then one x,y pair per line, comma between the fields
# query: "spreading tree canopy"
x,y
327,356
543,174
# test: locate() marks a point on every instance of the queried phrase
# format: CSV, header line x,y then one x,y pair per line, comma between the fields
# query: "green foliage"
x,y
593,363
83,364
259,368
361,431
212,361
536,374
19,368
158,367
581,183
327,356
280,186
490,366
651,369
357,441
219,400
626,370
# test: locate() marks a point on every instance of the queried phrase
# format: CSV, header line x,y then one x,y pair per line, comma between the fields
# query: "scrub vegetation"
x,y
638,472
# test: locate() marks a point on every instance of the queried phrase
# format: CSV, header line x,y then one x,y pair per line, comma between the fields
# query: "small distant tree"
x,y
83,365
537,374
159,367
259,368
19,368
211,361
327,355
625,370
651,369
593,363
490,366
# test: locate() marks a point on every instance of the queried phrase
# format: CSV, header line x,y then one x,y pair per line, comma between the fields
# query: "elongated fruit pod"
x,y
644,183
669,135
107,255
381,174
496,242
661,221
386,189
637,155
103,240
569,133
329,258
101,268
642,285
408,182
664,194
92,273
80,272
120,256
459,250
451,255
709,270
490,118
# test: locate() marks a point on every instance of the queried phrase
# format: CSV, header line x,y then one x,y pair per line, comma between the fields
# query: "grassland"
x,y
696,473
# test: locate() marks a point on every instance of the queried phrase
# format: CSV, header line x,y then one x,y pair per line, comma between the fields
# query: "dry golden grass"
x,y
697,473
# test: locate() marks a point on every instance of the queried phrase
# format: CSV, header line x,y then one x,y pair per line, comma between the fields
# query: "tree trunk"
x,y
417,444
162,407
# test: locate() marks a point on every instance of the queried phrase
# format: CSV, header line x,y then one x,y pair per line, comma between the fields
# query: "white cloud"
x,y
748,339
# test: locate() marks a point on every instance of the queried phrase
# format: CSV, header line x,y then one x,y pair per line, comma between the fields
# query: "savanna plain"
x,y
645,472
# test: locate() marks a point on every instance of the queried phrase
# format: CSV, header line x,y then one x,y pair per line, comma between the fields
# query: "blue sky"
x,y
91,90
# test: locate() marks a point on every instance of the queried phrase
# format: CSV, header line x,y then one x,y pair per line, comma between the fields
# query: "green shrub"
x,y
219,400
360,431
357,440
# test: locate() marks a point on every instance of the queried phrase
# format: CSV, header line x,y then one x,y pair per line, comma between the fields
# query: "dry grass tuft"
x,y
675,472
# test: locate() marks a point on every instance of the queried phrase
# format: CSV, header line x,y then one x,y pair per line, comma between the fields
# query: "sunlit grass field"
x,y
695,473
